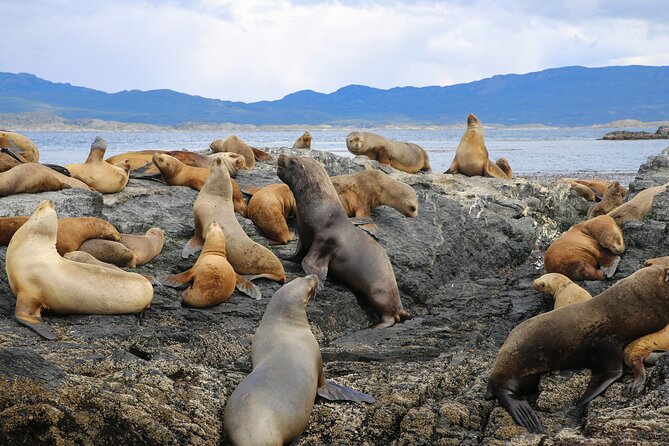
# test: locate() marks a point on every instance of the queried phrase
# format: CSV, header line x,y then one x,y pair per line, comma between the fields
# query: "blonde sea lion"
x,y
214,203
303,142
146,247
580,189
268,209
272,405
589,334
587,251
404,156
41,279
471,156
30,178
213,278
142,159
638,207
235,145
612,198
564,291
109,251
97,173
20,145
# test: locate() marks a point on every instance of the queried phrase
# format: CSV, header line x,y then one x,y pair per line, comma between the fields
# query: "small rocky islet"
x,y
662,132
464,268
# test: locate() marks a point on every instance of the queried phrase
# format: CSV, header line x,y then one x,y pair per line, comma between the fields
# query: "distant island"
x,y
558,97
662,132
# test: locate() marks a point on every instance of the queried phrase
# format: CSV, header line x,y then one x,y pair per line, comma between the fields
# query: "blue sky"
x,y
255,49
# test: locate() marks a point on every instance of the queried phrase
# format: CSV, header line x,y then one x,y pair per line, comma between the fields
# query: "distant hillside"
x,y
566,96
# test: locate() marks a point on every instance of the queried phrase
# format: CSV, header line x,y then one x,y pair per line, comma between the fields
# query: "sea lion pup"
x,y
587,251
84,257
213,278
97,173
638,207
109,251
268,209
404,156
329,244
272,405
41,278
471,156
303,142
177,173
214,203
72,232
19,145
146,247
564,291
590,334
235,145
580,189
612,198
30,178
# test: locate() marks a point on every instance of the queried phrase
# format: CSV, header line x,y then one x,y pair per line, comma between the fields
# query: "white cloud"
x,y
257,49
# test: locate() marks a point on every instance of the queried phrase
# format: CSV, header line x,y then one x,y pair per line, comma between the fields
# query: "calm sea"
x,y
531,152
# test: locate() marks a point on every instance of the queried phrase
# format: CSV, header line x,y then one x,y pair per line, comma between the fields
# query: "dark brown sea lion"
x,y
404,156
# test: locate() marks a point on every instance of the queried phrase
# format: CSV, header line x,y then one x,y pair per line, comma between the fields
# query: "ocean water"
x,y
531,152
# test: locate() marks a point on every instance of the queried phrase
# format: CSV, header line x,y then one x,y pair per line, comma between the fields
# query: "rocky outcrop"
x,y
662,132
464,267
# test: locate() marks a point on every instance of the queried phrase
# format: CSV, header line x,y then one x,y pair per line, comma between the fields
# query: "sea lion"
x,y
587,251
146,246
212,276
638,207
612,198
109,251
20,145
564,291
29,178
590,334
72,232
471,156
329,244
84,257
404,156
504,165
41,279
7,161
580,189
261,155
97,173
235,145
598,186
272,405
303,142
142,160
214,203
177,173
268,209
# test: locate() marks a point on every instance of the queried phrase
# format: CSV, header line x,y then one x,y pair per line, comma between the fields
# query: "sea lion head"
x,y
354,142
607,232
302,174
397,194
234,161
156,232
306,137
44,220
125,165
550,283
216,145
214,240
472,120
218,180
165,163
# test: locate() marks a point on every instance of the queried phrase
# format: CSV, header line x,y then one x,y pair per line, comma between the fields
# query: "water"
x,y
531,152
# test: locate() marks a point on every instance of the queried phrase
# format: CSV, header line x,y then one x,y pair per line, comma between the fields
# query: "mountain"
x,y
565,96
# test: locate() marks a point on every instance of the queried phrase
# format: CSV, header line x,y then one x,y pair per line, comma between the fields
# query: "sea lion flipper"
x,y
610,270
369,227
338,392
598,384
194,245
519,409
250,190
37,325
59,169
317,264
176,280
249,288
454,168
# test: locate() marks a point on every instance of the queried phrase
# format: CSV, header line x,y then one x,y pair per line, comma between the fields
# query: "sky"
x,y
252,50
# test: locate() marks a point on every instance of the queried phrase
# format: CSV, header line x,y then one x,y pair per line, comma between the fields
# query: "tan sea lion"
x,y
564,291
471,156
41,279
139,160
612,198
268,209
589,334
20,145
97,173
404,156
213,278
30,178
235,145
7,161
261,155
303,142
146,247
329,244
109,251
84,257
598,186
638,207
72,232
214,203
580,189
272,405
587,251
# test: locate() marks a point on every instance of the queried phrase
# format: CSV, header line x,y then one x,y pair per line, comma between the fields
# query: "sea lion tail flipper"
x,y
37,325
176,280
338,392
59,169
367,225
454,168
249,288
194,245
250,190
519,409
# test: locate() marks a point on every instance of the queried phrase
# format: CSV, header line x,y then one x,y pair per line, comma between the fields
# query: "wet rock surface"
x,y
464,267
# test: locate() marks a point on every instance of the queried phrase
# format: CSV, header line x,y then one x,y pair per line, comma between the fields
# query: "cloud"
x,y
257,49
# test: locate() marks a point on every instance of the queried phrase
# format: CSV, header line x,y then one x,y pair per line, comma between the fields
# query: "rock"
x,y
662,132
654,172
464,267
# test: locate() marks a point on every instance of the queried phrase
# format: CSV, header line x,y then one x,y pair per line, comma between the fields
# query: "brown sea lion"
x,y
404,156
72,232
19,145
41,279
329,244
84,257
471,156
214,203
261,155
580,189
598,186
504,165
146,247
564,291
638,207
97,173
272,405
612,198
7,161
30,178
590,334
303,142
109,251
139,160
213,278
268,209
235,145
587,251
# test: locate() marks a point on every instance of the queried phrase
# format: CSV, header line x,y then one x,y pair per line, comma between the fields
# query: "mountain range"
x,y
567,96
